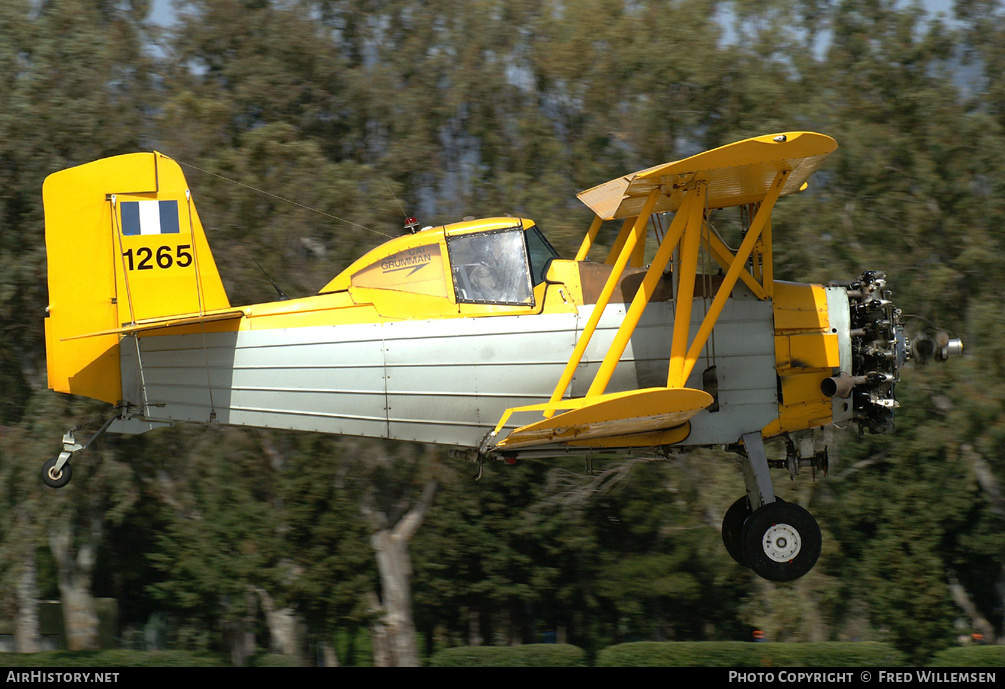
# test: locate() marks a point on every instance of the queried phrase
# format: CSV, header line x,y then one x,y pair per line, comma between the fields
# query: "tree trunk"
x,y
27,638
382,656
284,631
963,601
239,630
993,492
75,566
240,641
394,636
328,654
474,628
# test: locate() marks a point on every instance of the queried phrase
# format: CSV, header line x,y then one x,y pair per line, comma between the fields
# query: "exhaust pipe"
x,y
840,385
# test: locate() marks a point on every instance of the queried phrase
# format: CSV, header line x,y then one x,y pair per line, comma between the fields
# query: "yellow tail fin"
x,y
125,247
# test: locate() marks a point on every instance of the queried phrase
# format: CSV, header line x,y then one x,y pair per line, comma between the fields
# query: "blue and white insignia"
x,y
149,217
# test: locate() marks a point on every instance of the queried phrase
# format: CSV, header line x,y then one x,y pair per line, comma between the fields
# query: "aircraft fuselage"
x,y
449,381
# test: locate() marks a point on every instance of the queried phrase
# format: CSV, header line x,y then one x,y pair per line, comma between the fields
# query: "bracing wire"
x,y
391,192
284,199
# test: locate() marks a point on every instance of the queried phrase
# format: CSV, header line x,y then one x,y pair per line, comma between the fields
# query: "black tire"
x,y
53,479
781,541
732,529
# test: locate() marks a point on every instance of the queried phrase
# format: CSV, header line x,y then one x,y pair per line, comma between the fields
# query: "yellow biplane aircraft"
x,y
479,336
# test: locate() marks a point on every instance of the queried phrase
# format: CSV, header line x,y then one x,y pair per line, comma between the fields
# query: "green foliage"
x,y
740,654
530,655
545,548
227,537
109,659
326,538
263,512
75,84
274,660
476,537
970,656
304,219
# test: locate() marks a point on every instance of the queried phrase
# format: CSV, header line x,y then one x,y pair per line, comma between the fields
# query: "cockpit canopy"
x,y
492,261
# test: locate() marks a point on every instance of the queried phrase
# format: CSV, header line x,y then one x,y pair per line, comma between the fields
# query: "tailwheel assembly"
x,y
56,472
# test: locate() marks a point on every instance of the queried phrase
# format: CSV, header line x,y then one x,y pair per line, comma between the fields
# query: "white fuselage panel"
x,y
440,381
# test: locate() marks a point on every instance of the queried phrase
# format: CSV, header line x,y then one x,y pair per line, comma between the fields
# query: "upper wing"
x,y
735,174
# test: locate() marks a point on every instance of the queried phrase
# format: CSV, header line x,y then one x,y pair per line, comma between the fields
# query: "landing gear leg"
x,y
779,541
56,472
754,463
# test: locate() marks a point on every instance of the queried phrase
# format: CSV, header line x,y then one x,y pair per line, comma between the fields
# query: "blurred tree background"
x,y
243,540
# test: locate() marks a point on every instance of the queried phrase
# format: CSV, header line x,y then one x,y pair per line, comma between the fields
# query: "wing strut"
x,y
637,229
661,414
599,414
591,236
733,272
690,213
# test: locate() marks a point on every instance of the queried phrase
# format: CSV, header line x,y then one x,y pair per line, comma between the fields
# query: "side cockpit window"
x,y
541,254
491,267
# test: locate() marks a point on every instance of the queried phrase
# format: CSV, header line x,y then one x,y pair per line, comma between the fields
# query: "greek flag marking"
x,y
149,217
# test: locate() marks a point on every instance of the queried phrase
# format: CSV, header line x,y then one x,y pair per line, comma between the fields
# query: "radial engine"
x,y
879,349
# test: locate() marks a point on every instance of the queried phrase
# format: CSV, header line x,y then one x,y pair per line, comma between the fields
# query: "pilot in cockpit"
x,y
499,270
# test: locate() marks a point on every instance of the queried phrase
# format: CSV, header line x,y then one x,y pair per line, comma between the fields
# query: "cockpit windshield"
x,y
499,266
491,267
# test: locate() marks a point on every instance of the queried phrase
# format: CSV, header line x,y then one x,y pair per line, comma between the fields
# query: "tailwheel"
x,y
53,477
732,529
781,541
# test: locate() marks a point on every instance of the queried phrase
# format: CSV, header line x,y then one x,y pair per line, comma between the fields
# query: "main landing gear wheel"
x,y
56,478
781,541
732,529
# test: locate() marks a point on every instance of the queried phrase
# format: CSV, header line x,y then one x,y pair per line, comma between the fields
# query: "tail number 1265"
x,y
148,258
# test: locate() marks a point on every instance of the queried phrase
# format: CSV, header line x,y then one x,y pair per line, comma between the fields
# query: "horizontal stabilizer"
x,y
159,323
